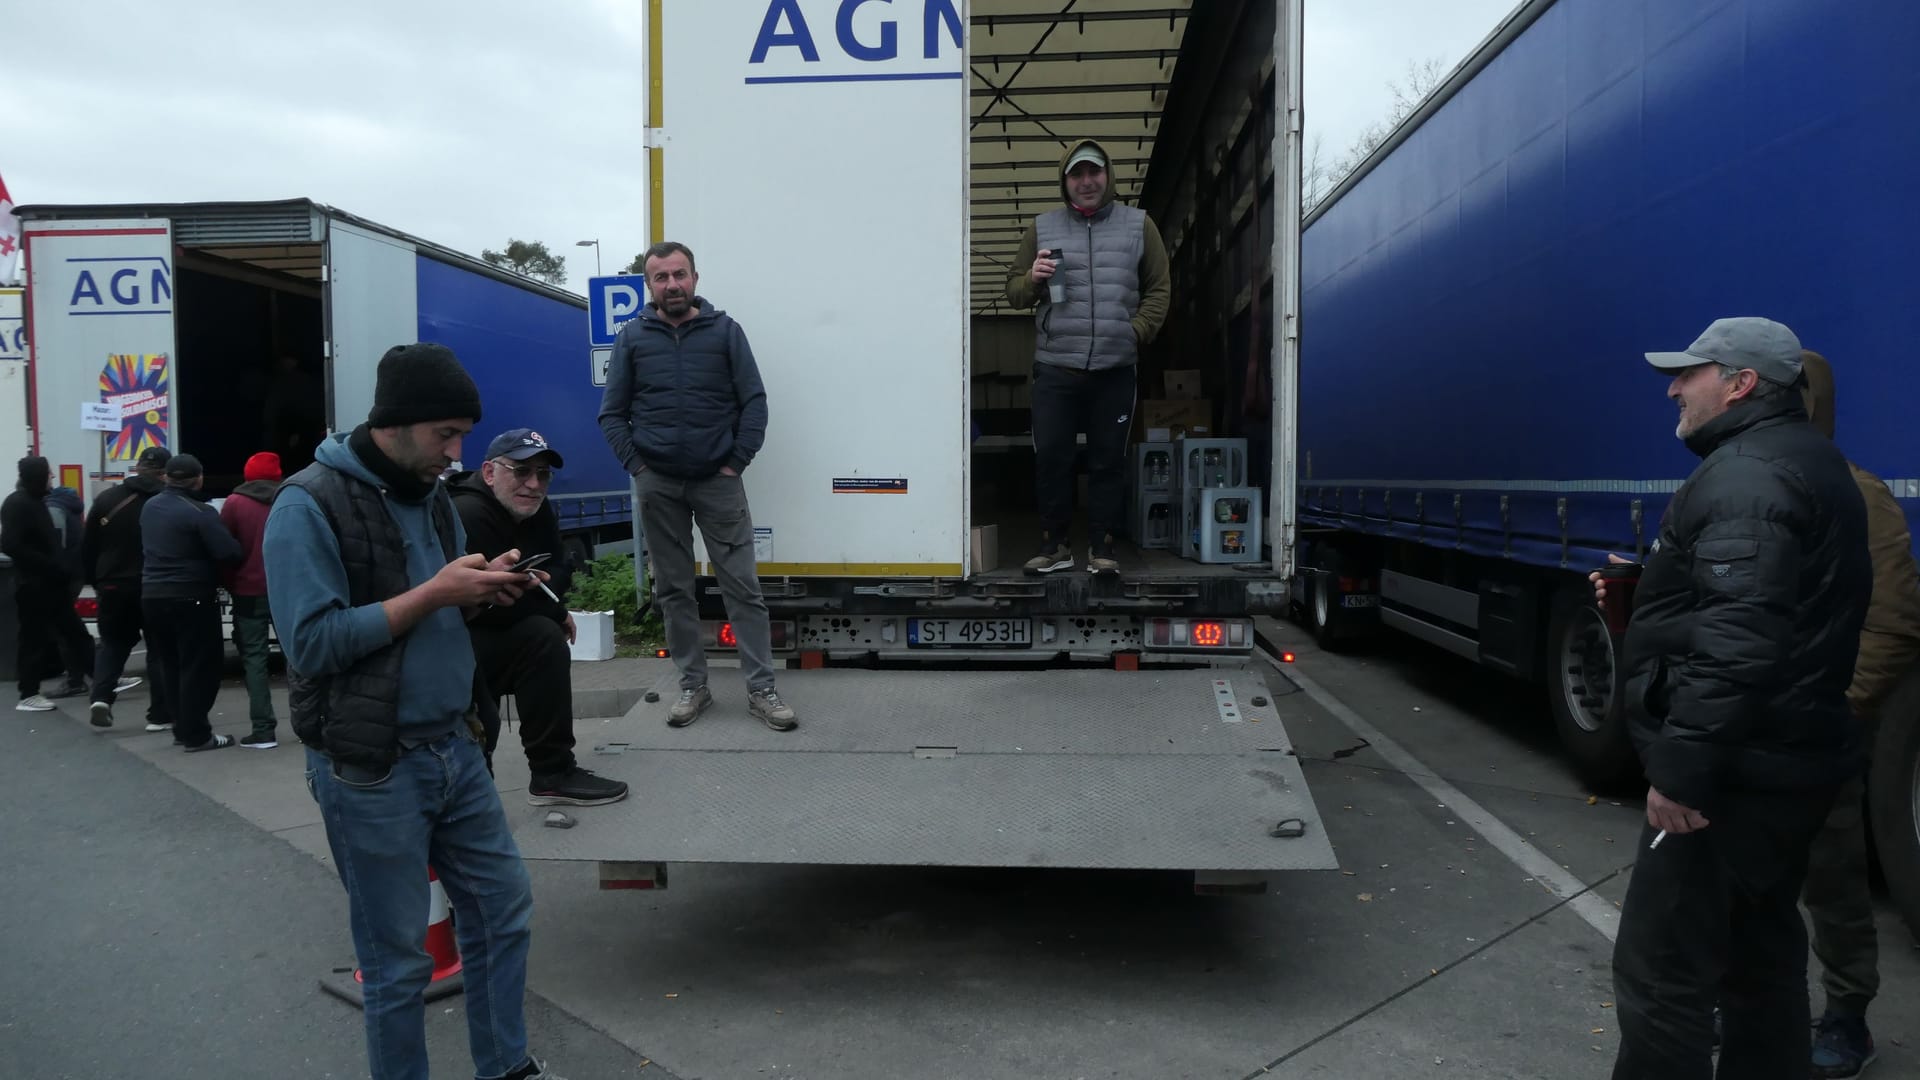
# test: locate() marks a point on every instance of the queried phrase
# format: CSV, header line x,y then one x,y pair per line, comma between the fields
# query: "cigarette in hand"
x,y
1662,835
543,586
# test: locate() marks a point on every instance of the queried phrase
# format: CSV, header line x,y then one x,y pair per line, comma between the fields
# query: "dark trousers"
x,y
1712,918
530,660
251,623
52,637
185,635
122,623
1065,404
1840,904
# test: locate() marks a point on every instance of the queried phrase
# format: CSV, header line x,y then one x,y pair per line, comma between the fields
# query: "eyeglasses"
x,y
524,473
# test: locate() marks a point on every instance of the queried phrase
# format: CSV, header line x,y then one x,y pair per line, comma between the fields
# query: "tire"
x,y
1893,798
1584,684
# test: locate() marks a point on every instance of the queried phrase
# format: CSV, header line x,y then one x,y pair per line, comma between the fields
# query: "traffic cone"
x,y
345,983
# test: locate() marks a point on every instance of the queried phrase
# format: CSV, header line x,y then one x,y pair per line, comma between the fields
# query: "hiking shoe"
x,y
688,709
1052,557
100,715
218,742
72,688
126,683
260,740
34,703
1100,558
773,712
153,726
575,787
1842,1047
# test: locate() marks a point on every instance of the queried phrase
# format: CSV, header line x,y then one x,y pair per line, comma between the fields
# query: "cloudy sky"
x,y
463,123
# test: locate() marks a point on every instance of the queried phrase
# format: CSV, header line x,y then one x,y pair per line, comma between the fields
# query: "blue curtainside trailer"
x,y
1602,178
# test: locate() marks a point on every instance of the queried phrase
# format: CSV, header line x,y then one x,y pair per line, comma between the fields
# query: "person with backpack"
x,y
111,559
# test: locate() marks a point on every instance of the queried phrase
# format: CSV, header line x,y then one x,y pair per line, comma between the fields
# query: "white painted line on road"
x,y
1594,908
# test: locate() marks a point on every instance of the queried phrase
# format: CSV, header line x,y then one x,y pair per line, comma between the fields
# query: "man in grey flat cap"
x,y
1745,626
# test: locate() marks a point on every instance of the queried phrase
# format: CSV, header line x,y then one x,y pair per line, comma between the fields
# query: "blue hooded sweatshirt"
x,y
321,635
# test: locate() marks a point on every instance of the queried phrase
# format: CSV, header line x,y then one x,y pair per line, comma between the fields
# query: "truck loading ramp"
x,y
1074,768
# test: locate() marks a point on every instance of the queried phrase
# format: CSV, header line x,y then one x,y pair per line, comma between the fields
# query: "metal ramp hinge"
x,y
1223,700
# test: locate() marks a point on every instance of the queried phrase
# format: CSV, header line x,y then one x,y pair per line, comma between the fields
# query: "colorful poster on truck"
x,y
101,299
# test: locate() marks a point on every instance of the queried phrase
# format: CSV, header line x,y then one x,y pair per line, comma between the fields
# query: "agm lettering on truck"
x,y
786,37
134,285
13,339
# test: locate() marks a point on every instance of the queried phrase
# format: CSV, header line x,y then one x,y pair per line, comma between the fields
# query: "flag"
x,y
9,238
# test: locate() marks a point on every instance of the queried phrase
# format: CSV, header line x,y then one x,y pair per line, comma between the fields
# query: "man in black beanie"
x,y
51,633
371,592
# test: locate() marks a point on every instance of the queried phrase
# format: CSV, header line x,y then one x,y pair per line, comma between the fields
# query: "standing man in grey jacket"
x,y
1096,272
685,412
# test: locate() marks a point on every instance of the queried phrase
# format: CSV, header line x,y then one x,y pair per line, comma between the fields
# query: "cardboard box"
x,y
986,548
1183,385
1177,418
593,635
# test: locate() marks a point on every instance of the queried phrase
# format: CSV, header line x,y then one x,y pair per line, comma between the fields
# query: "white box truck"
x,y
852,177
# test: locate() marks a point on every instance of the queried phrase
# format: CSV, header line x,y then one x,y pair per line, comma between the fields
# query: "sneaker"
x,y
534,1069
1100,558
1842,1047
126,683
260,740
218,742
688,709
34,703
72,688
152,726
773,712
100,715
575,787
1052,557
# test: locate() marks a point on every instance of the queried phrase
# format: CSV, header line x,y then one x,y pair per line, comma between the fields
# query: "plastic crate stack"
x,y
1155,501
1221,515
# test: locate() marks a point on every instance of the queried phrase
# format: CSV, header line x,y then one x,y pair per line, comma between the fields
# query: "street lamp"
x,y
595,245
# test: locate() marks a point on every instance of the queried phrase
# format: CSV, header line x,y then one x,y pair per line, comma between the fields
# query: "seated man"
x,y
522,649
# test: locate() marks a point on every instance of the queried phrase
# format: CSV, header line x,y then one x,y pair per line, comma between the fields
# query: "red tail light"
x,y
727,638
1209,634
87,607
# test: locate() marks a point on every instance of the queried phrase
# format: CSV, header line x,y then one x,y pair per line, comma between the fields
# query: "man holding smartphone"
x,y
522,647
1096,272
371,592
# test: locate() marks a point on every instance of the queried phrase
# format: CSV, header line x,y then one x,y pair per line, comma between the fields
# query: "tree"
x,y
637,266
1318,178
529,257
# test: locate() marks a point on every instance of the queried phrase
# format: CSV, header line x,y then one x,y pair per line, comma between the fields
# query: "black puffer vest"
x,y
353,717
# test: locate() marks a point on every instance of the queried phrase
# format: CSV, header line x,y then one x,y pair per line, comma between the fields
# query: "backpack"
x,y
69,518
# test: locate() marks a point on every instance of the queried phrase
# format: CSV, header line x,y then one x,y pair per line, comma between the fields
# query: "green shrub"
x,y
606,584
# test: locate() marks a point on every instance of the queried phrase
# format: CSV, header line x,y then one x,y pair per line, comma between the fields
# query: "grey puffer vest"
x,y
353,717
1100,265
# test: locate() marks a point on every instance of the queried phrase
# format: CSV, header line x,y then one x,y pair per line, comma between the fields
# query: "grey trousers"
x,y
669,508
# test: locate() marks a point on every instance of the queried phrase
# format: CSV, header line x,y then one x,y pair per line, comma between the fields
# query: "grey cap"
x,y
1767,347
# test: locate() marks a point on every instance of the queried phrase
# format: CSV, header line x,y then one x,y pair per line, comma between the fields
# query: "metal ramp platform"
x,y
1174,770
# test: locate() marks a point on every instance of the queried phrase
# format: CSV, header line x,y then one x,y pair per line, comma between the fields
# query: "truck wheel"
x,y
1893,798
1583,690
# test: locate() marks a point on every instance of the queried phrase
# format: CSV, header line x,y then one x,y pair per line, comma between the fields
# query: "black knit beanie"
x,y
421,382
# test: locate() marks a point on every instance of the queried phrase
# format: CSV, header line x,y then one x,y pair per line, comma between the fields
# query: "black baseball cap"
x,y
153,457
521,444
183,467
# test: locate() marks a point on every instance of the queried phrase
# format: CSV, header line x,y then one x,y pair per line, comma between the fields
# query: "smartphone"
x,y
529,562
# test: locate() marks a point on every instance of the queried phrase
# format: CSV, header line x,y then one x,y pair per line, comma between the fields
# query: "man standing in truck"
x,y
1096,272
1838,896
1744,634
685,412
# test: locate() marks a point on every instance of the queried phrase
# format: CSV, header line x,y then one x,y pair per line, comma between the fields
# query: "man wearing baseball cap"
x,y
1095,272
522,647
1745,626
111,560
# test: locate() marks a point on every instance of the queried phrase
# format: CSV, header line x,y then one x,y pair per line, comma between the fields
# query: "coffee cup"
x,y
1620,580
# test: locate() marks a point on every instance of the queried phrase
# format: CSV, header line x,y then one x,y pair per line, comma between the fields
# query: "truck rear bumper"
x,y
1155,769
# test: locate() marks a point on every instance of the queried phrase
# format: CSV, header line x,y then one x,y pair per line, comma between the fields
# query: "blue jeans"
x,y
437,806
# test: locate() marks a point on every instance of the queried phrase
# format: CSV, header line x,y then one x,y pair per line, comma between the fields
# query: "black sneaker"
x,y
575,787
218,742
1052,557
260,740
100,714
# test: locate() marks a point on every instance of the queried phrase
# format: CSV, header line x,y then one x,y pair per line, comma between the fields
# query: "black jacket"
x,y
1747,618
492,530
110,550
185,543
28,538
684,400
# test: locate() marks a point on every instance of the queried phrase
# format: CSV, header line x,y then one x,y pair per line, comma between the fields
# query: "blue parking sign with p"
x,y
612,301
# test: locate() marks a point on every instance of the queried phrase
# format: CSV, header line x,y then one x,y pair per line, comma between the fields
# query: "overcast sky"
x,y
461,123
